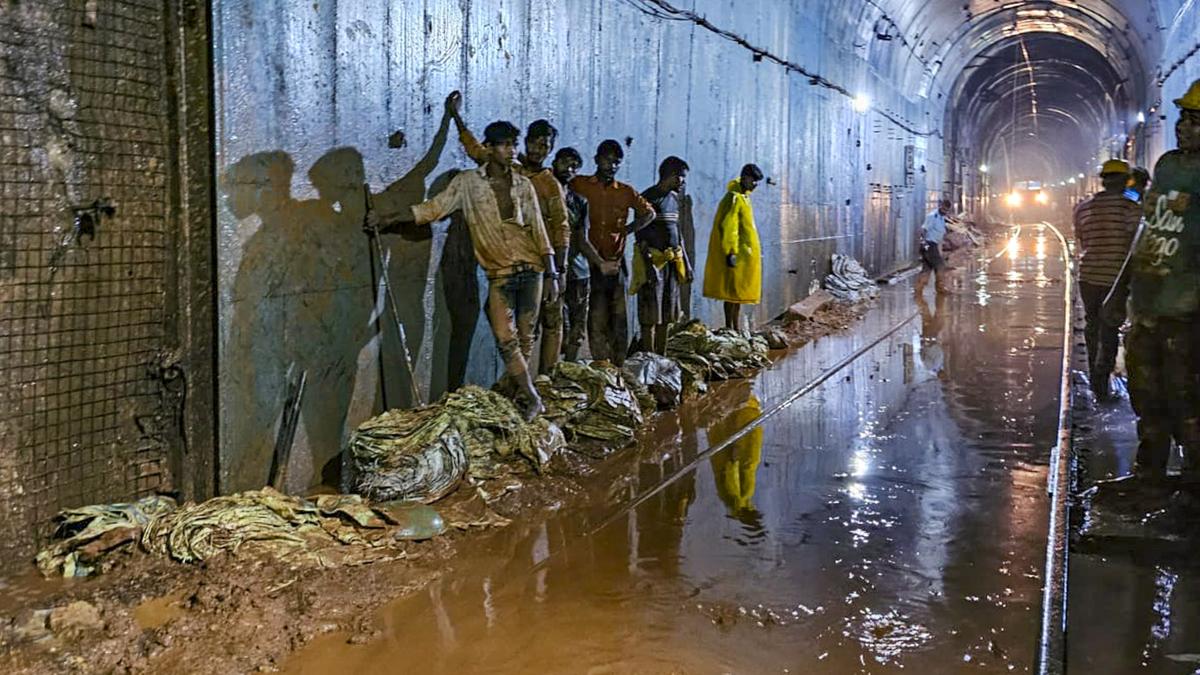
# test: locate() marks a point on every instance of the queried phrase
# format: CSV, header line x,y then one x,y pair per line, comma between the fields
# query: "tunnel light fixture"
x,y
1141,118
983,168
1072,180
1081,176
861,103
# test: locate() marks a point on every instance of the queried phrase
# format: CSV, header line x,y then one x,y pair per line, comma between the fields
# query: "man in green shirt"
x,y
1164,306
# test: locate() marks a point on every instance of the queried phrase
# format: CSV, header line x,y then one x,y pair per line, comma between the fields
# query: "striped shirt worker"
x,y
1104,227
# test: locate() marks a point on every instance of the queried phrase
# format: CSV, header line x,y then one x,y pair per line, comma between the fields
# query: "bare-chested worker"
x,y
502,213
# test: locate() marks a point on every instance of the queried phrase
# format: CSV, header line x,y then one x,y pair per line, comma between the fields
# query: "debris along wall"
x,y
308,95
83,299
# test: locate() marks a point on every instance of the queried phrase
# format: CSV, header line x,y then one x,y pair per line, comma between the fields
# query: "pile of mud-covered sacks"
x,y
463,452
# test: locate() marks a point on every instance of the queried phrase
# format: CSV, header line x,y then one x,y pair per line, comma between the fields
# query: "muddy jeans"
x,y
552,333
1103,337
512,310
608,322
577,294
1163,388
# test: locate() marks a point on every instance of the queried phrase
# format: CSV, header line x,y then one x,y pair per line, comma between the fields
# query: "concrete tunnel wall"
x,y
308,93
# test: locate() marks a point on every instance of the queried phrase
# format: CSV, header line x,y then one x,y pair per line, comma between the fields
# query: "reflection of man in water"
x,y
735,468
932,322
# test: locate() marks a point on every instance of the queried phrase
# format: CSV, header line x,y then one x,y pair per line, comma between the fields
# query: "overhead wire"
x,y
661,9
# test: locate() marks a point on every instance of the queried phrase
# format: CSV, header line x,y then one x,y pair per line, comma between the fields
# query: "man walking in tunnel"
x,y
933,232
733,270
1164,306
609,203
1104,227
581,257
539,143
510,241
660,263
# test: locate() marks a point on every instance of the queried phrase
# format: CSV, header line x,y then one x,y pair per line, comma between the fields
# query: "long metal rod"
x,y
391,297
377,324
1052,639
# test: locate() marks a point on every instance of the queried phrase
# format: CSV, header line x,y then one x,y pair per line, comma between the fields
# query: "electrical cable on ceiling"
x,y
661,9
1166,75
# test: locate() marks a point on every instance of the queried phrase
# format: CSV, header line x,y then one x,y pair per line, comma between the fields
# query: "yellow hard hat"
x,y
1114,166
1190,100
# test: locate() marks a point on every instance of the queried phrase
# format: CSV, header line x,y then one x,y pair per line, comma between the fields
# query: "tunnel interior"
x,y
863,113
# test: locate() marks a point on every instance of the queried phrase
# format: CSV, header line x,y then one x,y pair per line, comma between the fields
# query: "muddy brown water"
x,y
892,518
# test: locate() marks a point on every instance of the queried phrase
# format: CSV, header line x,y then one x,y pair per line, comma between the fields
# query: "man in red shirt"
x,y
609,203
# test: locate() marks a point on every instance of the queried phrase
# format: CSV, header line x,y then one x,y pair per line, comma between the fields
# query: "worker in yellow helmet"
x,y
1164,308
1105,225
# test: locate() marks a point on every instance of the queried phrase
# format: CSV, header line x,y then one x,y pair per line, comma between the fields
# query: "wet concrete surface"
x,y
1134,598
894,517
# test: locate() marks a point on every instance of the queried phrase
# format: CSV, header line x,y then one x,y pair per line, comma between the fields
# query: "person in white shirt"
x,y
933,232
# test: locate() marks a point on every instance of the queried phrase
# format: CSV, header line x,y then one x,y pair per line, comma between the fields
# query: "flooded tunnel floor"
x,y
893,517
1143,580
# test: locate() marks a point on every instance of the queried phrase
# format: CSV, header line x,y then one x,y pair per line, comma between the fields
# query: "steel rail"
x,y
757,421
1052,637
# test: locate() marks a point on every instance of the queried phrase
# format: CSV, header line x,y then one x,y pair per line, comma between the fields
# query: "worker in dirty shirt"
x,y
1164,304
510,242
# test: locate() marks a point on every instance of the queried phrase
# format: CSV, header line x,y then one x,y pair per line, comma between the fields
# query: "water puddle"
x,y
893,518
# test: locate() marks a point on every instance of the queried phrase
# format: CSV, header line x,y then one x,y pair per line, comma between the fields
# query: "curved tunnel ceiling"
x,y
1049,80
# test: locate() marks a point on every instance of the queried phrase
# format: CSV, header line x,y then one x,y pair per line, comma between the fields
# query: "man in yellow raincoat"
x,y
735,469
733,271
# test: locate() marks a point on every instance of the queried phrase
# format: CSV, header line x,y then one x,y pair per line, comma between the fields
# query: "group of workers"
x,y
552,244
1140,260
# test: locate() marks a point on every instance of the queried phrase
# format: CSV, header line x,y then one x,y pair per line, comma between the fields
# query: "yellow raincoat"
x,y
736,468
734,232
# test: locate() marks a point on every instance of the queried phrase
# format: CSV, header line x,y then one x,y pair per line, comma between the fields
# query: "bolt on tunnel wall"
x,y
308,96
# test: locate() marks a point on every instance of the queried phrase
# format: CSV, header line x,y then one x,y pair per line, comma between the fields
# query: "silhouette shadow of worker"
x,y
255,359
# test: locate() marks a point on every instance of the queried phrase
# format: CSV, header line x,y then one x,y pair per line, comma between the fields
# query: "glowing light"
x,y
1071,180
1041,198
1014,248
1141,118
983,168
861,103
1013,200
1041,247
1081,176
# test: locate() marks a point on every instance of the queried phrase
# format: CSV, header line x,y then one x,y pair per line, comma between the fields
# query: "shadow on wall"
x,y
303,300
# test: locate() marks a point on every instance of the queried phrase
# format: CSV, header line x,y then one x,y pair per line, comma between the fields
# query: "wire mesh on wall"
x,y
84,260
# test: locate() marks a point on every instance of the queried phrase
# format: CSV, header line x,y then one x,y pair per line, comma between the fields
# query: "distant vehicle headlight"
x,y
1041,198
1014,200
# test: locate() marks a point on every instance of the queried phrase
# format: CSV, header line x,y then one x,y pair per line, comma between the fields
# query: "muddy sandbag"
x,y
661,377
496,433
775,338
422,454
331,530
724,354
84,536
849,280
591,401
413,455
327,531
